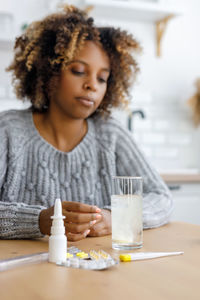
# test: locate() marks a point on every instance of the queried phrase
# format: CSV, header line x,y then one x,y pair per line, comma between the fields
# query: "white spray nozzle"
x,y
57,224
58,210
58,239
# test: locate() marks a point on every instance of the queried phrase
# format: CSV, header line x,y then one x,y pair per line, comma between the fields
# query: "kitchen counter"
x,y
185,190
182,178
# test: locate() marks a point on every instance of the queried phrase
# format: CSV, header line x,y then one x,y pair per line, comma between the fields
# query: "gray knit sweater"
x,y
33,173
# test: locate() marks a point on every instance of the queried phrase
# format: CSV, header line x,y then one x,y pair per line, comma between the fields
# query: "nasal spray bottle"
x,y
58,239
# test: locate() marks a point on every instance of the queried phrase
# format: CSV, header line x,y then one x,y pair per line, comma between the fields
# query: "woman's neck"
x,y
62,132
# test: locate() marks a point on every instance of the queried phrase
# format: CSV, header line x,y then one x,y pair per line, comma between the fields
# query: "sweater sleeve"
x,y
17,220
157,199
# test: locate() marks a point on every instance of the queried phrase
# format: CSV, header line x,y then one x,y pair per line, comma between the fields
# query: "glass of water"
x,y
126,204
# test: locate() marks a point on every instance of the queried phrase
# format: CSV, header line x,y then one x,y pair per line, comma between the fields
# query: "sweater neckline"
x,y
78,148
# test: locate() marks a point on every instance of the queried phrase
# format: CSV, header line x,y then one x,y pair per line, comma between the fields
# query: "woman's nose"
x,y
90,84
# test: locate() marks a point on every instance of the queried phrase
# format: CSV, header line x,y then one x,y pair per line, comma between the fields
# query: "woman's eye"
x,y
77,72
102,80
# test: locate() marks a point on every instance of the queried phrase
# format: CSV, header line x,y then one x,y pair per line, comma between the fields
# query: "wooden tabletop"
x,y
171,278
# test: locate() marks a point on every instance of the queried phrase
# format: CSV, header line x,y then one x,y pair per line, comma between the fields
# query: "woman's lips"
x,y
85,101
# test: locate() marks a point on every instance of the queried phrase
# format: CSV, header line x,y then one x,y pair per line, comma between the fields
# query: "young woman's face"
x,y
83,83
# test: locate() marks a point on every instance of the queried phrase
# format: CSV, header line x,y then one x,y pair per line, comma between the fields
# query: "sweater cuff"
x,y
34,226
20,221
108,207
31,228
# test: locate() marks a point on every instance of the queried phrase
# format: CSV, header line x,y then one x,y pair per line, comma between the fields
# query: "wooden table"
x,y
172,278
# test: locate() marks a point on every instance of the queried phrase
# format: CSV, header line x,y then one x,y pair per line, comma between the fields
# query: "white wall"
x,y
163,87
165,83
175,72
171,81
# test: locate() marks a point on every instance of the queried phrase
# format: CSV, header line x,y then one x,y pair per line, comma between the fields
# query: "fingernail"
x,y
92,222
98,216
87,232
98,210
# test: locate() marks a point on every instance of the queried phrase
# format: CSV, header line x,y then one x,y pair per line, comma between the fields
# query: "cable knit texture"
x,y
33,173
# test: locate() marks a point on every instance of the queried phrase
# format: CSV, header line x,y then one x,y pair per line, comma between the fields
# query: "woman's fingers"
x,y
75,217
73,237
78,228
98,233
97,229
80,218
80,207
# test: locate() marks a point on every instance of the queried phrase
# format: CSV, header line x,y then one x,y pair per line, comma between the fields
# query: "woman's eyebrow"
x,y
83,62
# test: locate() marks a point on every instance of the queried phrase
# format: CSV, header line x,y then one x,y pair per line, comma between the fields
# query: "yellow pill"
x,y
80,253
69,255
94,255
84,256
125,257
103,254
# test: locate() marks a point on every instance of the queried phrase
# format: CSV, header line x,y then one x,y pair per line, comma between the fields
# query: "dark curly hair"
x,y
46,46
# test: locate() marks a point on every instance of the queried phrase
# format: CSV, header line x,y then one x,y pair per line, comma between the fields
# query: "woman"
x,y
67,145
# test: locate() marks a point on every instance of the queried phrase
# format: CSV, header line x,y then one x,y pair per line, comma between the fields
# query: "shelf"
x,y
132,10
129,11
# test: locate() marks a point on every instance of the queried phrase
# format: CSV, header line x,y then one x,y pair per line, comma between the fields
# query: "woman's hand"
x,y
103,226
78,222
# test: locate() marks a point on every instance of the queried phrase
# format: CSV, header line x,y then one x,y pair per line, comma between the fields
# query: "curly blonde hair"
x,y
47,46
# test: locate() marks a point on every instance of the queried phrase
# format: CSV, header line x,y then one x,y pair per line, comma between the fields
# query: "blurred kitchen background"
x,y
161,120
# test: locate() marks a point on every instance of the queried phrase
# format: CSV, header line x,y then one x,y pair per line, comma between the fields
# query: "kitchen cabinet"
x,y
7,26
6,44
8,104
186,202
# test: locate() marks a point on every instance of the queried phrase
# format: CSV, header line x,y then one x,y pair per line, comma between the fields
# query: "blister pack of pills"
x,y
93,260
